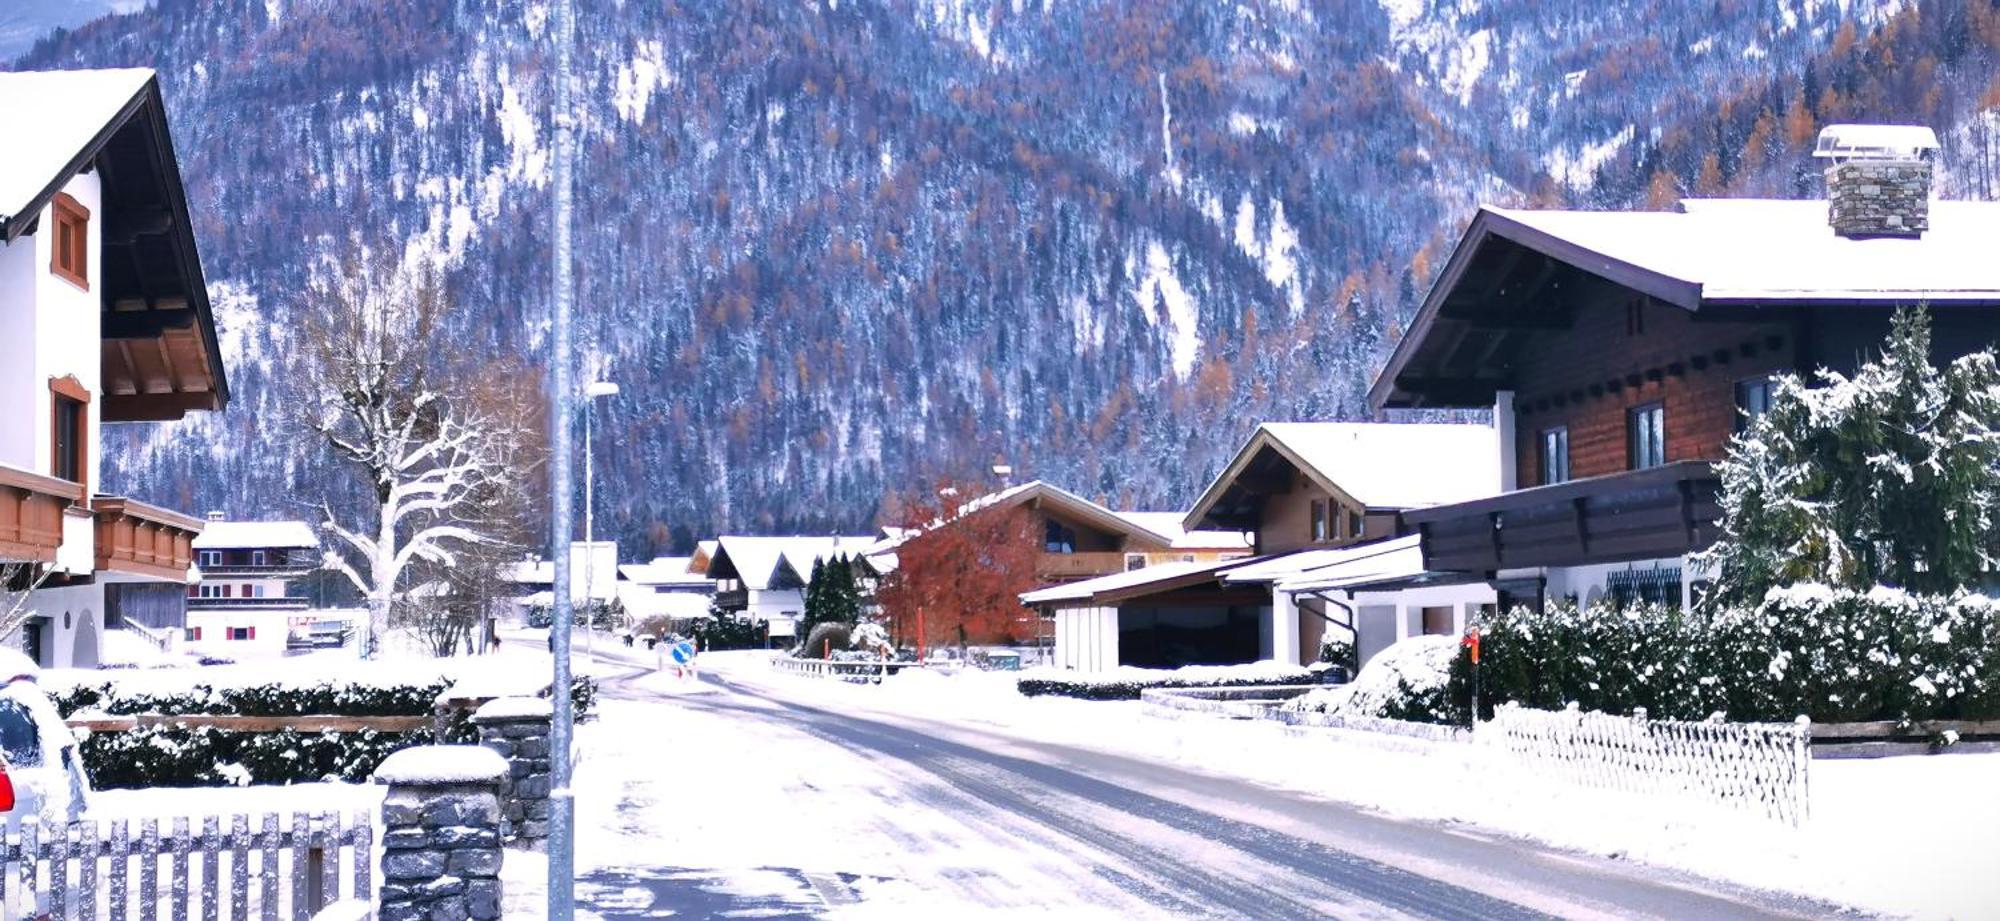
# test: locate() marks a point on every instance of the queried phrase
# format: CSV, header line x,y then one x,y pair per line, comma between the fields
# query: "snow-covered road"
x,y
756,795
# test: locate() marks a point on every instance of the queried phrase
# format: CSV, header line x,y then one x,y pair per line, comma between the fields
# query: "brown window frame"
x,y
70,222
1546,441
1319,527
1636,443
63,392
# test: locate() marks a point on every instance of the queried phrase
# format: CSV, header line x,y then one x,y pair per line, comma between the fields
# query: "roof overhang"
x,y
1233,501
160,355
1504,279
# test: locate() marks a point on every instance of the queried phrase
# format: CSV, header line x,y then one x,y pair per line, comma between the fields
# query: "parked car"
x,y
41,768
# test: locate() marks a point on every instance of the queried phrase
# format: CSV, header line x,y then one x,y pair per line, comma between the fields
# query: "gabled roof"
x,y
664,570
255,535
1375,465
1710,252
1067,504
60,123
763,562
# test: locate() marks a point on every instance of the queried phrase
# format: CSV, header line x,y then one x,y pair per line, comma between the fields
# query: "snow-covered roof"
x,y
50,118
1379,464
436,765
252,535
1170,524
756,559
1362,564
1125,581
1129,524
664,570
1750,250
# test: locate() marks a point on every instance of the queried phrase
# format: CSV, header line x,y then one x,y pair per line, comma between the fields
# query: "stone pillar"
x,y
517,728
441,834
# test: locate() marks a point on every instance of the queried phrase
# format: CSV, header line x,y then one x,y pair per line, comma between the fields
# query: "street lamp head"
x,y
600,389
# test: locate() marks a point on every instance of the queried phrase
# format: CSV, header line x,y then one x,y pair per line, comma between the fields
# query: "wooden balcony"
x,y
31,514
144,540
1068,567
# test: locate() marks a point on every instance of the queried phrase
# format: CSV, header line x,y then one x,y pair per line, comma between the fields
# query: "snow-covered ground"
x,y
1907,835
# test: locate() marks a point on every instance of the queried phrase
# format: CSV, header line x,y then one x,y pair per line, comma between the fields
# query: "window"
x,y
1355,524
194,634
256,557
1135,561
70,260
1660,585
1319,522
1555,455
243,633
1646,435
69,429
209,558
1753,399
1438,621
1058,538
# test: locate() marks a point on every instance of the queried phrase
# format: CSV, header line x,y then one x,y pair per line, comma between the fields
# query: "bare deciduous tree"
x,y
18,582
391,407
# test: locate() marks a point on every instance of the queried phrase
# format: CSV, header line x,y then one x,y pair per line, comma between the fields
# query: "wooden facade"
x,y
31,514
144,540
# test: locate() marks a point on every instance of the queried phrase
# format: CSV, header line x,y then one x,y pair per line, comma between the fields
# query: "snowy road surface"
x,y
746,797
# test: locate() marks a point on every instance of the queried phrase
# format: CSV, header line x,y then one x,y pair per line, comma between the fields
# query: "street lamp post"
x,y
562,802
591,393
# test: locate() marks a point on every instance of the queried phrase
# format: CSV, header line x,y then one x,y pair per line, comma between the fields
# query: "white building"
x,y
243,602
593,576
764,578
665,587
104,317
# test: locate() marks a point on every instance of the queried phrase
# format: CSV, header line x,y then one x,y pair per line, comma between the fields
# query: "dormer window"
x,y
71,244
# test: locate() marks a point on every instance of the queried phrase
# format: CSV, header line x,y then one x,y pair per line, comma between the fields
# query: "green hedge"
x,y
172,756
1122,685
1832,655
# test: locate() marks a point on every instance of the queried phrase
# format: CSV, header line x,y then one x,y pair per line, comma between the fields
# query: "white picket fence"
x,y
1758,768
73,871
861,671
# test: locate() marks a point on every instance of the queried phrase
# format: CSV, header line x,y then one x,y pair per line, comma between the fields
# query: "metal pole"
x,y
589,551
562,393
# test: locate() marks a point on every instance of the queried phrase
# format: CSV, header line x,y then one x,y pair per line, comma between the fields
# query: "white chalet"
x,y
243,595
104,318
764,578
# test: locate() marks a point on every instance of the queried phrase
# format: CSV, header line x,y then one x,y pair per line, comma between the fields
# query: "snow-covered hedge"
x,y
172,756
1407,681
1125,683
1834,655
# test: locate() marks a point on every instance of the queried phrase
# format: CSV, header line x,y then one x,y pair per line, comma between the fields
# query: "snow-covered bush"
x,y
1835,655
872,639
1407,681
1125,683
823,641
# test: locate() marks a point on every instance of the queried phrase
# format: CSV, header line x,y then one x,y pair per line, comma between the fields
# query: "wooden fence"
x,y
71,872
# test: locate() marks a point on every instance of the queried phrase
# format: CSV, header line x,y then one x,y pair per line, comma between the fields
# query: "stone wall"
x,y
1879,198
441,834
517,729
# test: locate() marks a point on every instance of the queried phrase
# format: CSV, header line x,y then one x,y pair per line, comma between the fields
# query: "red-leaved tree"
x,y
958,581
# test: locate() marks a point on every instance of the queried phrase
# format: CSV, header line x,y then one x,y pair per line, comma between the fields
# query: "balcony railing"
x,y
144,540
269,603
1085,565
31,514
275,569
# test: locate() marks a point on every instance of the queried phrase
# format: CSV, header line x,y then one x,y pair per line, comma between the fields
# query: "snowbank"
x,y
514,708
443,764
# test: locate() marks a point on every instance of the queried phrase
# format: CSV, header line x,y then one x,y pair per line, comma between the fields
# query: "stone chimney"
x,y
1878,179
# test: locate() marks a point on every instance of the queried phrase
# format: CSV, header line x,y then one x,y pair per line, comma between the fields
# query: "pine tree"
x,y
1885,478
815,601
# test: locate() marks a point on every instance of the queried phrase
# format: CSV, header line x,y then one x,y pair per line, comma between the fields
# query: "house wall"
x,y
49,328
1285,521
1567,377
1086,638
1383,618
272,631
72,624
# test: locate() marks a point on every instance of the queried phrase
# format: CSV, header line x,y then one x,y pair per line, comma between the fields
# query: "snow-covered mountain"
x,y
831,248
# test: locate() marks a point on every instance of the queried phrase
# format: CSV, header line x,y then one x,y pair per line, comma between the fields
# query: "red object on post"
x,y
1471,642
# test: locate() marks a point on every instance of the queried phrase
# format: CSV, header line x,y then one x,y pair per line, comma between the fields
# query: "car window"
x,y
18,738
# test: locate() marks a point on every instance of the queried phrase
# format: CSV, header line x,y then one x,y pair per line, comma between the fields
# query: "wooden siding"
x,y
1285,522
31,510
1590,376
136,538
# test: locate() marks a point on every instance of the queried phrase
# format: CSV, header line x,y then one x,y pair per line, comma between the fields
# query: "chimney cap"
x,y
1876,142
215,516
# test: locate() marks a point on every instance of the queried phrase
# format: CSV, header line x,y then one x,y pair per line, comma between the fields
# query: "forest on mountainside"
x,y
832,249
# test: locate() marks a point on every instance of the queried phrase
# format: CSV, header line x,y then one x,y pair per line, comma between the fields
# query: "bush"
x,y
724,630
1126,683
1408,681
174,756
824,639
1834,655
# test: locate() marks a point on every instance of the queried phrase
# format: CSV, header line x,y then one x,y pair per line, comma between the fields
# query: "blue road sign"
x,y
683,652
